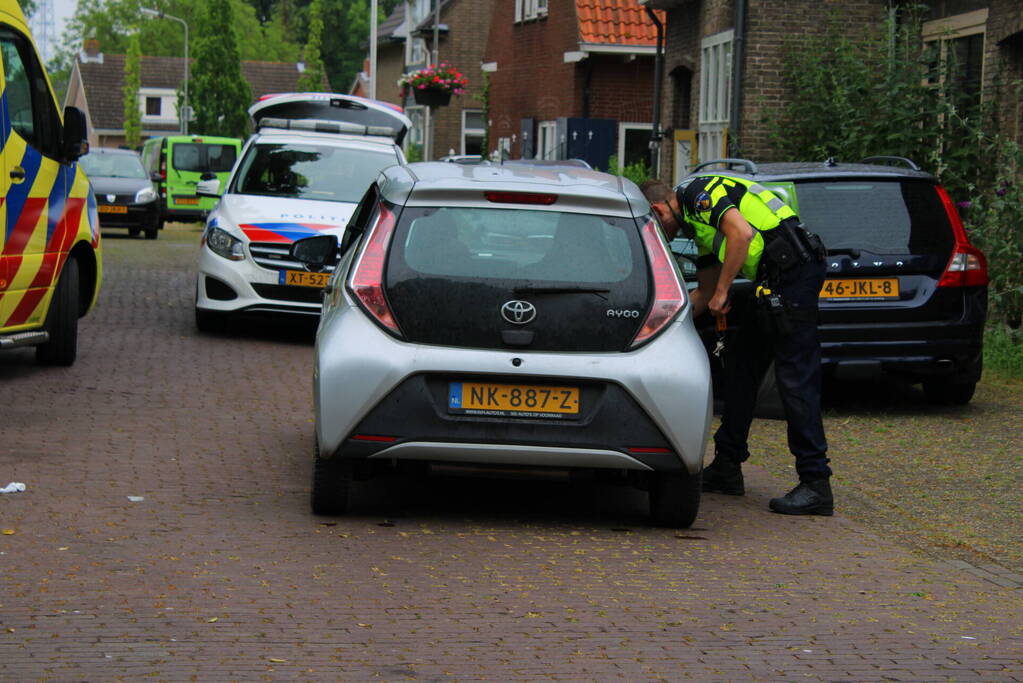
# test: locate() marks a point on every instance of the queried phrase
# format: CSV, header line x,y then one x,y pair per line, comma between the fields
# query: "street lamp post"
x,y
183,111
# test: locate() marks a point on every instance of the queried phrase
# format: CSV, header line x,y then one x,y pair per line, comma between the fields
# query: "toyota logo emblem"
x,y
518,312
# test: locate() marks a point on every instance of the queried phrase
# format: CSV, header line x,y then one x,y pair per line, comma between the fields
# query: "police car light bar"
x,y
323,126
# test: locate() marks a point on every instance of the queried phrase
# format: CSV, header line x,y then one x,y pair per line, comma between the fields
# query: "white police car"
x,y
301,174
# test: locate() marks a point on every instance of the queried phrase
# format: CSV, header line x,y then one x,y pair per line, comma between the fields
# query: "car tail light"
x,y
367,281
669,297
521,198
967,267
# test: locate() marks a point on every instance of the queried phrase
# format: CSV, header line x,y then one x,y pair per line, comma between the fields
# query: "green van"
x,y
177,162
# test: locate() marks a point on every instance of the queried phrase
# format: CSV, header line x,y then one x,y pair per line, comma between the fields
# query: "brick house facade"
x,y
404,42
577,71
698,94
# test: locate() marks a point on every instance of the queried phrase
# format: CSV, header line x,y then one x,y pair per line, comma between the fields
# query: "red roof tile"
x,y
616,22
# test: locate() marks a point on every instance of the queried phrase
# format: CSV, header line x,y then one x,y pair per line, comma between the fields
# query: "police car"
x,y
301,174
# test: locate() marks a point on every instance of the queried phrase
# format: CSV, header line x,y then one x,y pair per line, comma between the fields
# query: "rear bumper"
x,y
368,383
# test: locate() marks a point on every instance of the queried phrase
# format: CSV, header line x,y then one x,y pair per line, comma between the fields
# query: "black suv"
x,y
906,292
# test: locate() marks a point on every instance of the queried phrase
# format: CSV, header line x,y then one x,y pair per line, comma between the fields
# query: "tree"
x,y
220,95
312,78
130,91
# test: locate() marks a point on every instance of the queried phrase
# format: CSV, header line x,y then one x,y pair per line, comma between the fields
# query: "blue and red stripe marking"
x,y
284,233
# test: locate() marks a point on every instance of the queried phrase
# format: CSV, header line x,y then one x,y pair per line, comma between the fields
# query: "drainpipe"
x,y
586,88
738,54
655,130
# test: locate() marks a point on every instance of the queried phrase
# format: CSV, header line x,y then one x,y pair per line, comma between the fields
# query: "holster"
x,y
788,246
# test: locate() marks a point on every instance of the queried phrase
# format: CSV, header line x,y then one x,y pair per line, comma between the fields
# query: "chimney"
x,y
90,52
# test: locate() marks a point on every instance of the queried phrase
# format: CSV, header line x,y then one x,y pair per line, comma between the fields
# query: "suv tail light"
x,y
967,267
669,298
367,281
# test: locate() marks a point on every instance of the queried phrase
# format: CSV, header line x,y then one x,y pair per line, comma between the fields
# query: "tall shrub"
x,y
220,95
130,93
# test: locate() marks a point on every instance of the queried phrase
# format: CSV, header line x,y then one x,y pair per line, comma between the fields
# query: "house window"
x,y
547,140
158,105
416,134
956,49
419,55
715,94
530,9
474,129
633,144
420,9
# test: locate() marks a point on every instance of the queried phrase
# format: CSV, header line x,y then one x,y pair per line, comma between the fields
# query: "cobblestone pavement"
x,y
165,534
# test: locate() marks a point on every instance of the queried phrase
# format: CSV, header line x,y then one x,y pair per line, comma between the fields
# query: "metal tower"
x,y
44,28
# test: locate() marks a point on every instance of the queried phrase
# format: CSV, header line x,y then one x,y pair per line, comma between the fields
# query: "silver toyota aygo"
x,y
507,317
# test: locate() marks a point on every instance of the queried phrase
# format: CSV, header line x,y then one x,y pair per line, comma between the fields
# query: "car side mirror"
x,y
156,177
75,143
315,252
208,188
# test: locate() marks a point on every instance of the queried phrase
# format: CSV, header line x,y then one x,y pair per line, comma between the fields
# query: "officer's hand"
x,y
719,304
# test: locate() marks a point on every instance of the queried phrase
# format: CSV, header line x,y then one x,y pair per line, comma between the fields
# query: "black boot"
x,y
724,475
809,498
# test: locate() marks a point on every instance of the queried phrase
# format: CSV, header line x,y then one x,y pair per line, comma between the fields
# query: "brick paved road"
x,y
221,573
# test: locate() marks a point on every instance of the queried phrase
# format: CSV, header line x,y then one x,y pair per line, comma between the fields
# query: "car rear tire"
x,y
949,393
332,485
675,499
134,232
152,233
62,320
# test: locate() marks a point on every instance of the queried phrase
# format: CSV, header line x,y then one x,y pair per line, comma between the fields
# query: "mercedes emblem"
x,y
518,312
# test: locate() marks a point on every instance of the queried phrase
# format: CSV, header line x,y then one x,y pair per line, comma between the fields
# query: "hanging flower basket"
x,y
434,85
431,97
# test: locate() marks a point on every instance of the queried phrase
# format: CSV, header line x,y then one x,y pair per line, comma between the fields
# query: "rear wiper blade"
x,y
533,289
855,253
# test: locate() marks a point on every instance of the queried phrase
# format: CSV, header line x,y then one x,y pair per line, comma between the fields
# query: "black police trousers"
x,y
748,351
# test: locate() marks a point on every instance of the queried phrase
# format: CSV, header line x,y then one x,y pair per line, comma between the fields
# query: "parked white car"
x,y
301,174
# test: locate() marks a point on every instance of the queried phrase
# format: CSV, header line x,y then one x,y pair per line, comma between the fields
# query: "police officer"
x,y
743,229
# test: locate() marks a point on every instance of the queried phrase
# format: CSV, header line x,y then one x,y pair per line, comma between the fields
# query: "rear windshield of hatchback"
x,y
550,246
877,216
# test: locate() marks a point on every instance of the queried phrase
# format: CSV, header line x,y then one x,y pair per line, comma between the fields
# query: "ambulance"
x,y
50,261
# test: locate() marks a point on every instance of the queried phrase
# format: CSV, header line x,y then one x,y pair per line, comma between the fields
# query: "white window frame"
x,y
622,128
715,94
527,10
419,10
943,31
419,54
417,132
473,132
168,105
547,140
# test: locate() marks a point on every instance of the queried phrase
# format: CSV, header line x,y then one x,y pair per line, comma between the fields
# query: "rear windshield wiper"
x,y
533,289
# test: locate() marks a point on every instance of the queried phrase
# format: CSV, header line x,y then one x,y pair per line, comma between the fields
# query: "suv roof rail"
x,y
748,165
891,161
325,126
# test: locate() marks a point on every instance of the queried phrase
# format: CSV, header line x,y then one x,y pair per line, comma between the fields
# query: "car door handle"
x,y
18,173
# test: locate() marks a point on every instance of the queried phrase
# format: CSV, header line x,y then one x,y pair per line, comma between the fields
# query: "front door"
x,y
35,185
